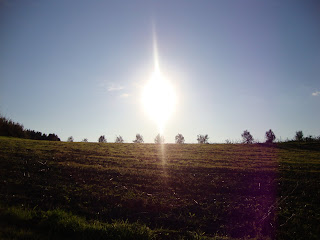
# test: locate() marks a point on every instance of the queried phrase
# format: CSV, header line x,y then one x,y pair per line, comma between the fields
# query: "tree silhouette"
x,y
13,129
85,140
247,137
299,136
159,139
270,137
179,138
119,139
310,138
10,128
139,138
102,139
70,139
53,137
202,139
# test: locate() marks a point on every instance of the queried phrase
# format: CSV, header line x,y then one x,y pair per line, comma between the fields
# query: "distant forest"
x,y
11,129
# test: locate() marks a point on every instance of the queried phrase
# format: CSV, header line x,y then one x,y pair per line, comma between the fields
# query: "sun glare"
x,y
159,99
158,96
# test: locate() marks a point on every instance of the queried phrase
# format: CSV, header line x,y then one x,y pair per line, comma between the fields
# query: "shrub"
x,y
247,137
310,138
119,139
159,139
203,139
139,138
179,138
102,139
270,137
299,136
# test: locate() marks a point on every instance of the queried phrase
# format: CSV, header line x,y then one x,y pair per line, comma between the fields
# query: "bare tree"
x,y
119,139
159,139
139,138
299,136
202,139
179,138
247,137
102,139
85,140
70,139
270,137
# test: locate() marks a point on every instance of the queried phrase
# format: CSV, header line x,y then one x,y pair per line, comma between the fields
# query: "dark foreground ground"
x,y
56,190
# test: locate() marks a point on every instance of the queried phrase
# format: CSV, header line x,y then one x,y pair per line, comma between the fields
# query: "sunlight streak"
x,y
155,52
158,96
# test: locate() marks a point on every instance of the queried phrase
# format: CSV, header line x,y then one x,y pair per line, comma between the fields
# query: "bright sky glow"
x,y
159,99
158,96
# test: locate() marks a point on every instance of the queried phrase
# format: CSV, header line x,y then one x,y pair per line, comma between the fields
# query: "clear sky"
x,y
77,68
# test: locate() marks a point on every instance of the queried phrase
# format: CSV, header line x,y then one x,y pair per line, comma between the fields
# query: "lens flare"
x,y
158,95
159,99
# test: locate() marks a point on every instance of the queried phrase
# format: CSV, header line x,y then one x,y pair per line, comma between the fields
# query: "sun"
x,y
158,95
159,99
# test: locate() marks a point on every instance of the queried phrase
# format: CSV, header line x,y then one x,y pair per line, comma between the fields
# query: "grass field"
x,y
61,190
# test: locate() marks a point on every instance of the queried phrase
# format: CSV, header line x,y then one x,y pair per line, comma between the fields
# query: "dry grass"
x,y
232,190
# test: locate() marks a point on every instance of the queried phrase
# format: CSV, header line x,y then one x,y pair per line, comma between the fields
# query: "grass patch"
x,y
187,191
21,223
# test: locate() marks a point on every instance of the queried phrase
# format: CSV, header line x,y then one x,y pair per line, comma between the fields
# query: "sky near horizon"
x,y
78,68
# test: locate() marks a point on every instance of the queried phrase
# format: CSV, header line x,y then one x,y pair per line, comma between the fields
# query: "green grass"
x,y
58,224
190,191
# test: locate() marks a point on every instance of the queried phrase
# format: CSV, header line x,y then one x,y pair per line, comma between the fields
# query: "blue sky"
x,y
77,68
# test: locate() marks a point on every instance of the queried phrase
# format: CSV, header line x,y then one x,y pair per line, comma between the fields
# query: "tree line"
x,y
12,129
246,136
